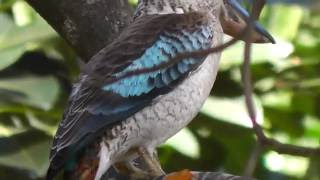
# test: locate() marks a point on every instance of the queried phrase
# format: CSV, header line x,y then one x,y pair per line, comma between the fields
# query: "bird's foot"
x,y
147,167
151,162
131,171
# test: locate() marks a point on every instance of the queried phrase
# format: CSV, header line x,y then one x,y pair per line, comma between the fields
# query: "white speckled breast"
x,y
173,111
168,114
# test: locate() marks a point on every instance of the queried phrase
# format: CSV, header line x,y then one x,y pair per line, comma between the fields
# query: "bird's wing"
x,y
96,102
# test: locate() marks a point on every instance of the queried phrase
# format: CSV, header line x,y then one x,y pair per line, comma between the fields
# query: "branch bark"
x,y
266,142
87,25
204,176
185,175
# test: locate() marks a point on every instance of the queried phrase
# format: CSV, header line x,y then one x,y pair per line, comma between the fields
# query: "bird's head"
x,y
234,20
229,13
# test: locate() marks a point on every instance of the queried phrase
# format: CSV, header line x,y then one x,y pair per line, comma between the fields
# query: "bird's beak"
x,y
234,20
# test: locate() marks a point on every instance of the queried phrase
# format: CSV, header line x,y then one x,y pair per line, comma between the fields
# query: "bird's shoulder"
x,y
141,35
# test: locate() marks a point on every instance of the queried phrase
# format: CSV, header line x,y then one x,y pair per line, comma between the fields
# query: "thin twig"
x,y
174,60
263,140
283,148
256,11
252,161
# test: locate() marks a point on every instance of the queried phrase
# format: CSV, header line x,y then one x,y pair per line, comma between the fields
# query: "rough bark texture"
x,y
186,175
87,25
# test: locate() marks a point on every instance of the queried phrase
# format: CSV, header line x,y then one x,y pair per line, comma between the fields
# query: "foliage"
x,y
37,69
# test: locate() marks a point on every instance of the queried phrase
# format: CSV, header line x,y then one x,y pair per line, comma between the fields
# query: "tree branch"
x,y
253,161
184,175
262,138
203,176
87,25
283,148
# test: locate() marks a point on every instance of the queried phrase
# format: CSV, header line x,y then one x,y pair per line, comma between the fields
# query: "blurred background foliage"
x,y
37,69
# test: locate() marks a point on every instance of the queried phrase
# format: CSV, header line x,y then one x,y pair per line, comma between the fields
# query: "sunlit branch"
x,y
258,8
262,139
253,160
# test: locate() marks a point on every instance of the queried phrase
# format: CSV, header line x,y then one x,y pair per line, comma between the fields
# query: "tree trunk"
x,y
87,25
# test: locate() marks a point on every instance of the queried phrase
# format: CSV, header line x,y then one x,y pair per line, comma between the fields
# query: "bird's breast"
x,y
167,114
171,112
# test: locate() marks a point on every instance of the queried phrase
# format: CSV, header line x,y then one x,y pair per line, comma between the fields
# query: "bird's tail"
x,y
104,161
86,166
86,170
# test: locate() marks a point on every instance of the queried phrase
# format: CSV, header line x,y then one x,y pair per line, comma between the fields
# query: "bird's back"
x,y
105,97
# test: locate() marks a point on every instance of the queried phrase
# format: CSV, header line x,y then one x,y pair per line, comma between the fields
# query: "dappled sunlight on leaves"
x,y
286,164
231,110
40,92
186,143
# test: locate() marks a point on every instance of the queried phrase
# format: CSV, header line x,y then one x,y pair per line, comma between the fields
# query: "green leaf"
x,y
287,121
5,24
278,99
285,20
312,127
273,53
313,170
8,56
290,165
40,92
6,4
222,141
186,143
231,110
133,2
4,131
28,150
36,123
23,13
15,40
36,31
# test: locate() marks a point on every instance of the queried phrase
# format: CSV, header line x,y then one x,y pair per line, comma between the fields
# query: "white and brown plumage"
x,y
137,113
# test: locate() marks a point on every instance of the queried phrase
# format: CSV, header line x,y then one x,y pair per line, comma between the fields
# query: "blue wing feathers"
x,y
192,39
167,46
175,43
147,42
166,78
174,73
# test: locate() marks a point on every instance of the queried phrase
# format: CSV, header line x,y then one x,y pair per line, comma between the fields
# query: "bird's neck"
x,y
177,6
160,6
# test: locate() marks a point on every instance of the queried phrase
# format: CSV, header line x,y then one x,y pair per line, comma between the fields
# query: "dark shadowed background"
x,y
37,69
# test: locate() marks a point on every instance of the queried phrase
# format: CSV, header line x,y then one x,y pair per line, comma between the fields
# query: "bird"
x,y
131,96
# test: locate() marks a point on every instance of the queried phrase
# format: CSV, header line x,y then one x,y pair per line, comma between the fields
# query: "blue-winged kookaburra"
x,y
110,121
